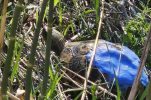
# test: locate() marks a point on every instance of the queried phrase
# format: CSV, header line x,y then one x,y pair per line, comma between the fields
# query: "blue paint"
x,y
110,59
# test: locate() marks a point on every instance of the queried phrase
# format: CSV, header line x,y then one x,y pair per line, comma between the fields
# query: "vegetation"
x,y
35,34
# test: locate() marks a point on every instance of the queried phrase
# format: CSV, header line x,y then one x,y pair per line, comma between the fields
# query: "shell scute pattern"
x,y
74,56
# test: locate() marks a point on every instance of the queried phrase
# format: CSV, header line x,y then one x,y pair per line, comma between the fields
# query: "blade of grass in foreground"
x,y
97,9
118,89
19,46
28,79
144,94
55,78
148,97
9,58
48,48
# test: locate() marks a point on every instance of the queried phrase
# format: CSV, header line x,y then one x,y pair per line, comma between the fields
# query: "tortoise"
x,y
113,60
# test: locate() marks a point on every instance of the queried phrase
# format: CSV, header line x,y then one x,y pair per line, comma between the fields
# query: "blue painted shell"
x,y
117,60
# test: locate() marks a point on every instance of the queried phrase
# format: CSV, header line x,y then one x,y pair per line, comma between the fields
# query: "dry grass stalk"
x,y
93,53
